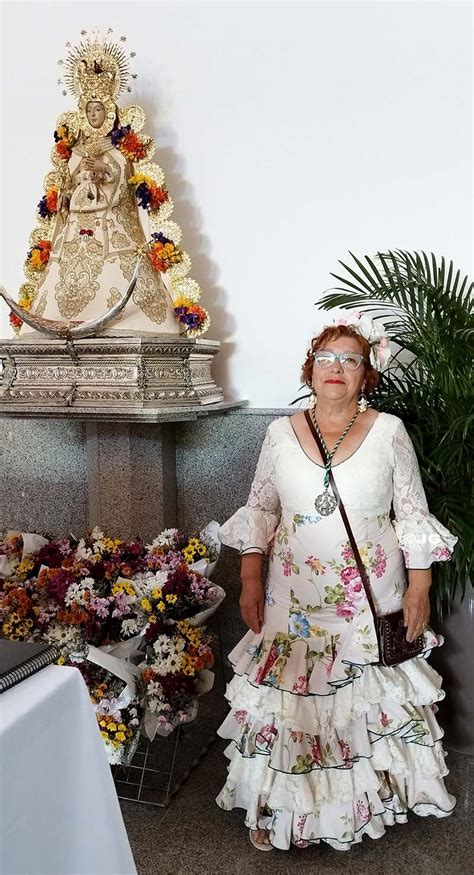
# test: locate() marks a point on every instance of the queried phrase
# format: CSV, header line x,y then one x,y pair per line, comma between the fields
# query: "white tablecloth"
x,y
59,813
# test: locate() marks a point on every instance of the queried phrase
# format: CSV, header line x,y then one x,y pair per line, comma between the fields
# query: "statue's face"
x,y
95,112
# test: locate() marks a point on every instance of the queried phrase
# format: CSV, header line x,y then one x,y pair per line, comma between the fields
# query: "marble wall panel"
x,y
43,475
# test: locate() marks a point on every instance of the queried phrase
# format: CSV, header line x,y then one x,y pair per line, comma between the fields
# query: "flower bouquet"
x,y
178,657
118,714
101,601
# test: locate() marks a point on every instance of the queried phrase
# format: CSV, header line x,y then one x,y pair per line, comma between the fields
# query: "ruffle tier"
x,y
316,666
333,768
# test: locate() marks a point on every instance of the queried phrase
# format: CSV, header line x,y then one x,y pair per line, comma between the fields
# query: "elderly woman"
x,y
327,744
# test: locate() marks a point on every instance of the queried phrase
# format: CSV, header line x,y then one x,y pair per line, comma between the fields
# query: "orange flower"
x,y
19,601
75,616
158,196
52,200
63,150
132,147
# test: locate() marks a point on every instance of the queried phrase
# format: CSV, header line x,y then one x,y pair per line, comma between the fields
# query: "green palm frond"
x,y
426,305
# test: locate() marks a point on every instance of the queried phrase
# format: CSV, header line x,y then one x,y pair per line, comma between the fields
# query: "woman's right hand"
x,y
252,600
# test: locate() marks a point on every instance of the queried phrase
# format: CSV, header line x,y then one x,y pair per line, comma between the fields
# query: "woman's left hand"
x,y
416,610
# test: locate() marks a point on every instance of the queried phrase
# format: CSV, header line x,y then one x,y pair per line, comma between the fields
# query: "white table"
x,y
59,813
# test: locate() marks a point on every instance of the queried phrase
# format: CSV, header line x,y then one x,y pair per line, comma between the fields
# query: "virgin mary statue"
x,y
105,209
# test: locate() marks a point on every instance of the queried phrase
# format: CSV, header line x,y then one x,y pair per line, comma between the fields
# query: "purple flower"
x,y
119,133
143,195
100,607
43,208
122,607
160,238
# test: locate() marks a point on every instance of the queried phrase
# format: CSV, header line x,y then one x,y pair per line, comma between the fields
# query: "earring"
x,y
362,403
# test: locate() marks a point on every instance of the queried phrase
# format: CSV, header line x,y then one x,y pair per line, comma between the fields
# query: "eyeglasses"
x,y
349,361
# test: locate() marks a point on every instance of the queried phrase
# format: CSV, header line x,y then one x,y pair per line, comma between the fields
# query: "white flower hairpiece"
x,y
374,333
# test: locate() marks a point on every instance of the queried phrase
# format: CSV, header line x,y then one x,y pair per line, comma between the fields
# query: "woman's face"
x,y
95,112
334,383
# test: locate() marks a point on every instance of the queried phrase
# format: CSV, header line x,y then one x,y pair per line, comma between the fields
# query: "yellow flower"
x,y
122,727
171,598
102,723
25,565
161,606
112,727
61,660
104,734
120,736
201,550
156,593
152,618
146,605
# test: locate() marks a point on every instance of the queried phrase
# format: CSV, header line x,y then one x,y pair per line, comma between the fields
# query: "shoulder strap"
x,y
355,550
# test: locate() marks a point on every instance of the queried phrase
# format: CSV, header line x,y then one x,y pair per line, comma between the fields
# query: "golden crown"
x,y
98,67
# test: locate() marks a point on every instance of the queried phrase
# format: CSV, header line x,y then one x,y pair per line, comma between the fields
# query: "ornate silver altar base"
x,y
122,374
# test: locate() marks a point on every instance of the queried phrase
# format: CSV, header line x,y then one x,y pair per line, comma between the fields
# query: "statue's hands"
x,y
88,164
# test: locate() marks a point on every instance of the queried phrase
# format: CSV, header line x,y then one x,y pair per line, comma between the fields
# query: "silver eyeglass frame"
x,y
339,356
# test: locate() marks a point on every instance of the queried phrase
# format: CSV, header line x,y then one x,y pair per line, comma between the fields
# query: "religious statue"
x,y
104,227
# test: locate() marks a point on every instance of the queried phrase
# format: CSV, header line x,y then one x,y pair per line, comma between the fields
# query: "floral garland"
x,y
130,144
98,592
48,205
64,142
39,255
149,195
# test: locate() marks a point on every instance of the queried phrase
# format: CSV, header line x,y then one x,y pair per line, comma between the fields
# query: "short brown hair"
x,y
334,332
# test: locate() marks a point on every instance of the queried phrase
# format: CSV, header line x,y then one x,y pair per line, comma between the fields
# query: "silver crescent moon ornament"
x,y
57,328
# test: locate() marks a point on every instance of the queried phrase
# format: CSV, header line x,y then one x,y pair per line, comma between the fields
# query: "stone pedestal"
x,y
38,374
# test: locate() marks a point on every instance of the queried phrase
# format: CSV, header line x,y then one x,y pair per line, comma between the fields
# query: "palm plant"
x,y
426,307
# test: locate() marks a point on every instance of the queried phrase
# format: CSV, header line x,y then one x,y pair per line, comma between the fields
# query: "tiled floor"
x,y
194,837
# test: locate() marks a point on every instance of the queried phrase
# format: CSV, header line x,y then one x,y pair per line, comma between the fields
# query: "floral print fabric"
x,y
325,743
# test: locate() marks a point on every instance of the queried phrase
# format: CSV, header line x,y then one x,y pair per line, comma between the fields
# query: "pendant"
x,y
325,503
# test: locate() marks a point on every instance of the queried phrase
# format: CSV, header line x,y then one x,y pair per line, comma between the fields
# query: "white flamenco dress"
x,y
327,745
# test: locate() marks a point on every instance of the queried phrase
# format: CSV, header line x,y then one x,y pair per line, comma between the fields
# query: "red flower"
x,y
15,321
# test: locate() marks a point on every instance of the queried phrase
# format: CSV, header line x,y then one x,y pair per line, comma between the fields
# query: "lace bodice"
x,y
382,474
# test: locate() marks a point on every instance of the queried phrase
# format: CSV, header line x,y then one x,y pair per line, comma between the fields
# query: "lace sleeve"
x,y
253,526
421,536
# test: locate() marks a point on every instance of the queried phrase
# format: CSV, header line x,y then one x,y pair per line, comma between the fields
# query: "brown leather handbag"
x,y
390,628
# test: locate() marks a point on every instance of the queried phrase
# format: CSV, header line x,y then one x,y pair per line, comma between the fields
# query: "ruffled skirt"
x,y
331,767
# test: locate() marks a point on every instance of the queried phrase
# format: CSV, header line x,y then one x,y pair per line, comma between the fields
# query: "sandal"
x,y
261,846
